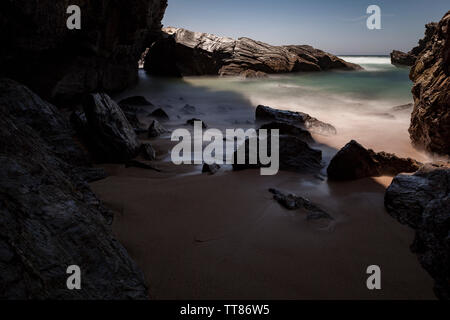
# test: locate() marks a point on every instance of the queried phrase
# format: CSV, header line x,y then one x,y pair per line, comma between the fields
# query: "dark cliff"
x,y
61,64
430,120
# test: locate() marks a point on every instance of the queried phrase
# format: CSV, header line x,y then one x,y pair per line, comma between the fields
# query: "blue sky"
x,y
337,26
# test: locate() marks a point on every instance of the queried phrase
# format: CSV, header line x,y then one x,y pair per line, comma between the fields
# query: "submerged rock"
x,y
293,202
188,109
192,121
112,138
430,119
265,114
156,129
354,161
182,52
422,201
210,168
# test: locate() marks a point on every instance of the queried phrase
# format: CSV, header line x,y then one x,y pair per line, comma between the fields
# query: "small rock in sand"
x,y
156,129
160,114
192,121
210,168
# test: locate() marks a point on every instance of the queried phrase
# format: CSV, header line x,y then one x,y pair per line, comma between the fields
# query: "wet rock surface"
x,y
49,217
354,161
156,129
267,114
422,201
430,119
111,137
182,52
293,202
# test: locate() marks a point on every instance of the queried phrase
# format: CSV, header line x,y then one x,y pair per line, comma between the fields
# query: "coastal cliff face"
x,y
61,64
182,52
49,217
430,120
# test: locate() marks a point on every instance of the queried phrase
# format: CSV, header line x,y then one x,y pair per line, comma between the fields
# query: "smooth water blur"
x,y
360,104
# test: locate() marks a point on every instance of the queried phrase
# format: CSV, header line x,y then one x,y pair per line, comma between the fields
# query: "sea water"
x,y
360,104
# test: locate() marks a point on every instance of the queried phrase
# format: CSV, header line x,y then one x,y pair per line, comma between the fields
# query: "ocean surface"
x,y
360,104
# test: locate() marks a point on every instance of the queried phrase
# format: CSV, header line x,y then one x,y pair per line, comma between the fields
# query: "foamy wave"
x,y
367,60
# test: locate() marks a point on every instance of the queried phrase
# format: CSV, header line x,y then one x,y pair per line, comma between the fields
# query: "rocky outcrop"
x,y
422,201
49,217
60,64
182,53
295,155
293,202
400,58
300,119
111,138
430,119
354,161
289,129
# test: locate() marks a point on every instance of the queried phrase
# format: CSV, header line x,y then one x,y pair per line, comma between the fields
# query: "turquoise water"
x,y
360,104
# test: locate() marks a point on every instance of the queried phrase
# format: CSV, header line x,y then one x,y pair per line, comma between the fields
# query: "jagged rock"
x,y
156,129
188,109
430,119
210,168
192,121
266,114
293,202
422,201
182,52
102,56
49,217
112,138
131,106
31,110
402,59
295,155
148,152
354,161
289,129
160,114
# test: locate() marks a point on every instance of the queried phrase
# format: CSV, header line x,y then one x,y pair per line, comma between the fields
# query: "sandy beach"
x,y
222,236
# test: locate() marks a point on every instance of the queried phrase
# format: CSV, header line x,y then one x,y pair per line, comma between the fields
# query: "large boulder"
x,y
430,119
102,56
182,53
111,138
266,114
354,161
295,155
422,201
49,217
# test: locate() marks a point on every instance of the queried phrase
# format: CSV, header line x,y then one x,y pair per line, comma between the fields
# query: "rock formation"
x,y
295,155
422,201
430,119
293,202
400,58
182,53
354,161
49,217
303,120
61,64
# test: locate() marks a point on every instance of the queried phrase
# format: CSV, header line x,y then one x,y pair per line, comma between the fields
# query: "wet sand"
x,y
224,237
